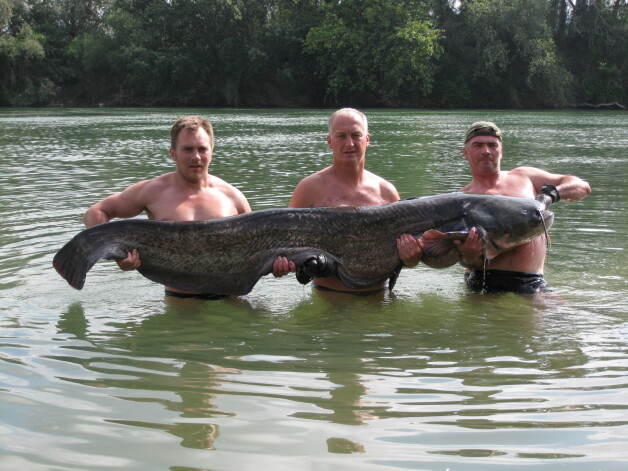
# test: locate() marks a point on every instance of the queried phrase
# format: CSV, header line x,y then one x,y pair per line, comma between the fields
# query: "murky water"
x,y
115,377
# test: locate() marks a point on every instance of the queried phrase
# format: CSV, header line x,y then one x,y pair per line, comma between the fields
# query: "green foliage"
x,y
510,56
21,52
375,51
594,40
437,53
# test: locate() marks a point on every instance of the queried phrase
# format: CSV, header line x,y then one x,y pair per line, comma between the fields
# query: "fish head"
x,y
505,222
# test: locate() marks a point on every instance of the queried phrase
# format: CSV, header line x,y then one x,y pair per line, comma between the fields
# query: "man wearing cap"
x,y
519,270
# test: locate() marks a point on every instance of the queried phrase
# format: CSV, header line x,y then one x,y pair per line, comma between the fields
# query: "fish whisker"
x,y
548,240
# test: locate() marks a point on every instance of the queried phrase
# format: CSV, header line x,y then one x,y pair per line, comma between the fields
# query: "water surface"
x,y
429,377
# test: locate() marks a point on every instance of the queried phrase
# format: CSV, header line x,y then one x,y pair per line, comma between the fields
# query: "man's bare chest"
x,y
192,208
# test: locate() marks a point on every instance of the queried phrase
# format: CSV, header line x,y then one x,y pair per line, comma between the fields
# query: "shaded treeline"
x,y
398,53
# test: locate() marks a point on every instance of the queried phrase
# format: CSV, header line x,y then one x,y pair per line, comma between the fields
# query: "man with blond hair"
x,y
346,182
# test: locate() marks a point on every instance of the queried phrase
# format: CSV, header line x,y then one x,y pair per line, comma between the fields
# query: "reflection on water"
x,y
427,377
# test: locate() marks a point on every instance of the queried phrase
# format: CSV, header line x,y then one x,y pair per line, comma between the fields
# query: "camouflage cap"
x,y
482,128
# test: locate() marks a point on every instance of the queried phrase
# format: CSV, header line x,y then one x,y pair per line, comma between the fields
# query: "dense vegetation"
x,y
398,53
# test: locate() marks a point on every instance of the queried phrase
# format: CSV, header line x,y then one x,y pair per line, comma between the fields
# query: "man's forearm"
x,y
573,189
93,217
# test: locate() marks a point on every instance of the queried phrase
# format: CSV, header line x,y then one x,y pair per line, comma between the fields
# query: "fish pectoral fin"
x,y
117,253
437,243
318,265
439,250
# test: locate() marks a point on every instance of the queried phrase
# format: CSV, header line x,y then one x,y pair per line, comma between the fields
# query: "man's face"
x,y
192,154
348,139
484,154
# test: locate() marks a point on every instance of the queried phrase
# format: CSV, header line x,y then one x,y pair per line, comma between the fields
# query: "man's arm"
x,y
239,200
127,204
388,192
306,192
409,249
121,205
301,198
570,187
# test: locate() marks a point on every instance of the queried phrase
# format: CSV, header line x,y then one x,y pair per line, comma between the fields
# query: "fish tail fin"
x,y
72,263
80,254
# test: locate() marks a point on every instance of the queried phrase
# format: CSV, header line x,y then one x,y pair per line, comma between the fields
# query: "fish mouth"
x,y
492,249
548,218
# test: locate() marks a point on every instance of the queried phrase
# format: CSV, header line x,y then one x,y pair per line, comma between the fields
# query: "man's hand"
x,y
131,262
471,249
410,250
283,266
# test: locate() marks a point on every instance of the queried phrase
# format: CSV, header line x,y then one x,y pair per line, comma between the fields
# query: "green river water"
x,y
429,377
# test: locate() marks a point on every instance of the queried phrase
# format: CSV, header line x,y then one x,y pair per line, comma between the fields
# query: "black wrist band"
x,y
551,191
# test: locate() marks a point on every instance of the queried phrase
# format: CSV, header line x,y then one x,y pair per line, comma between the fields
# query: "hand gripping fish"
x,y
356,244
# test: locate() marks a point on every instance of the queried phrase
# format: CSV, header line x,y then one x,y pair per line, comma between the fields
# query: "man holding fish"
x,y
189,193
346,182
520,269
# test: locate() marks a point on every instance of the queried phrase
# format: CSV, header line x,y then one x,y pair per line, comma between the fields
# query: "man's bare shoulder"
x,y
151,185
227,190
319,176
466,189
386,190
217,182
535,176
312,190
525,171
317,180
166,179
222,186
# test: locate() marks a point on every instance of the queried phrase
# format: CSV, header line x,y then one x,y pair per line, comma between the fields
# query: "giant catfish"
x,y
356,244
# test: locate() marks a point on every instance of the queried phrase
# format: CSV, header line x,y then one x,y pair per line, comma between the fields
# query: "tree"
x,y
510,56
454,53
58,23
376,51
20,55
593,35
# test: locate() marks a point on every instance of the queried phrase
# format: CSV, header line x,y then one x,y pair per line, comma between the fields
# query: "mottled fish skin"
x,y
357,244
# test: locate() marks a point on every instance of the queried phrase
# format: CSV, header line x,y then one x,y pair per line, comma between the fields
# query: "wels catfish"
x,y
228,256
